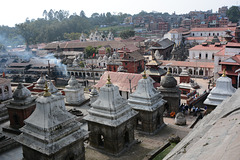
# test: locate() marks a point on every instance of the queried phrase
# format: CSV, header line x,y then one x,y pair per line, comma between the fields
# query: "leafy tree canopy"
x,y
127,34
234,14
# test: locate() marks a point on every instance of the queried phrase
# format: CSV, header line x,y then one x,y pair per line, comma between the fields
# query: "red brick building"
x,y
133,62
231,65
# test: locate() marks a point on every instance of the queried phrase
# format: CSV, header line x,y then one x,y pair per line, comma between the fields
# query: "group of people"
x,y
190,109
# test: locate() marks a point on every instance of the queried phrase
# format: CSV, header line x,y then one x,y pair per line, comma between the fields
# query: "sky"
x,y
17,11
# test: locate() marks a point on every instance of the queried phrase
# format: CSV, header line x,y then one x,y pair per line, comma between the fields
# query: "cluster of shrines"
x,y
49,131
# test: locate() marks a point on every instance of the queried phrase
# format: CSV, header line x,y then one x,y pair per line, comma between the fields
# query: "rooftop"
x,y
189,64
207,47
212,29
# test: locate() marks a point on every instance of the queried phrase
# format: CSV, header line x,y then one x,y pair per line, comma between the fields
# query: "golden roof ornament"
x,y
144,76
168,71
46,93
109,80
224,73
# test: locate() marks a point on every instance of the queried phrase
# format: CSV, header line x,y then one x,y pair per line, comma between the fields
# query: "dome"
x,y
41,80
51,87
168,81
72,81
21,92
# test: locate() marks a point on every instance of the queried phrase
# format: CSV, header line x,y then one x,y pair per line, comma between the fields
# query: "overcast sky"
x,y
16,11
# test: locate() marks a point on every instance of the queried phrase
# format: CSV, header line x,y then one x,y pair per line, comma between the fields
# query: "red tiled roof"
x,y
232,44
120,79
212,29
208,47
221,52
235,58
178,30
198,38
189,64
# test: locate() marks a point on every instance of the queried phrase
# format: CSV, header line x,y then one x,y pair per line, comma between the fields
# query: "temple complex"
x,y
21,107
110,121
5,89
74,92
150,105
222,91
170,92
51,132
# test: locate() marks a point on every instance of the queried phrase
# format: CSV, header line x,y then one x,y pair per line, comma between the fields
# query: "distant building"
x,y
133,62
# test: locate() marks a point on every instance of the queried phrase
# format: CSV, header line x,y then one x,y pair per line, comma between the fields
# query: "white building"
x,y
204,52
210,32
176,35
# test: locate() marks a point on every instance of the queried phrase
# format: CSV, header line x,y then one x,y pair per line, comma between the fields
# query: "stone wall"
x,y
112,140
74,151
149,122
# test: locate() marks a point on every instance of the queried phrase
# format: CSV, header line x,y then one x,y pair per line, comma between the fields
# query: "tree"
x,y
108,50
82,14
89,50
233,14
127,33
72,36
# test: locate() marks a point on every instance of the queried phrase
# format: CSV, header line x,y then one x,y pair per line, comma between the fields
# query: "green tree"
x,y
233,14
127,33
72,36
89,51
108,50
81,64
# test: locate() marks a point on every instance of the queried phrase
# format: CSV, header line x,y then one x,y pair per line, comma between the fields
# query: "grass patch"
x,y
165,152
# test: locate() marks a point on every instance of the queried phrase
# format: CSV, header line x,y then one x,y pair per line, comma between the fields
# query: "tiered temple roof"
x,y
146,97
110,108
50,127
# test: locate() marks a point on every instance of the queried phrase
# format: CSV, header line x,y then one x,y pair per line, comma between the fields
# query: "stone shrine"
x,y
21,107
74,92
51,132
39,86
93,95
111,121
52,88
223,90
5,89
150,105
170,92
